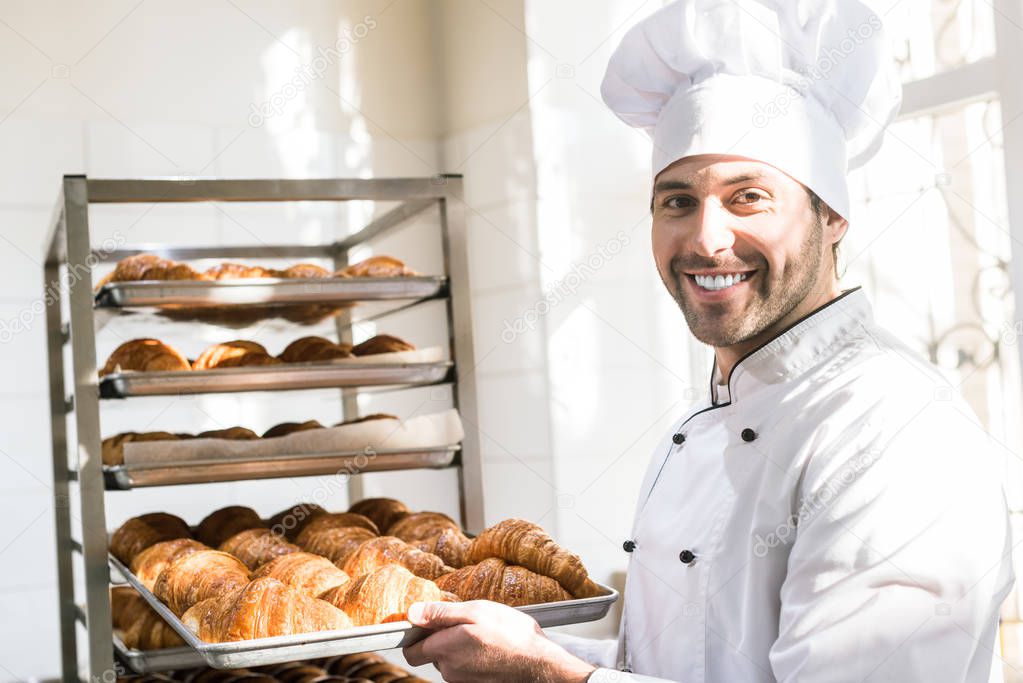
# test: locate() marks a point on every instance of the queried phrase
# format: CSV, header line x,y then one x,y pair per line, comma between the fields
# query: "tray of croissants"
x,y
150,367
237,295
243,591
371,443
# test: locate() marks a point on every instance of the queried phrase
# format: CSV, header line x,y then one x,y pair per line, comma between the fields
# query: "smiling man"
x,y
832,510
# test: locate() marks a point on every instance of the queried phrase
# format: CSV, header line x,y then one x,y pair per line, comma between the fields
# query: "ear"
x,y
835,227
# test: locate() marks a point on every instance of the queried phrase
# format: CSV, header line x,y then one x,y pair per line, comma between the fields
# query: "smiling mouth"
x,y
718,282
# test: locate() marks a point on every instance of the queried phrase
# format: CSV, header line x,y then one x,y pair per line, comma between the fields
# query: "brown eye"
x,y
676,202
750,197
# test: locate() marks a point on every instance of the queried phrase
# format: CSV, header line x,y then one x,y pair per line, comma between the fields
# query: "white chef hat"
x,y
807,86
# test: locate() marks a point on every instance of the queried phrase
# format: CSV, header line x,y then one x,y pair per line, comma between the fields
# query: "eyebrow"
x,y
668,185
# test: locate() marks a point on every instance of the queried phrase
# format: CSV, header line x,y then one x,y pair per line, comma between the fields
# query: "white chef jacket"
x,y
843,516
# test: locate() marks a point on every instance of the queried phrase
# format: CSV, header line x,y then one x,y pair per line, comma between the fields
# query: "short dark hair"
x,y
821,211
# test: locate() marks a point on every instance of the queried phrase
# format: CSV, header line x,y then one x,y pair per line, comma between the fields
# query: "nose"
x,y
713,232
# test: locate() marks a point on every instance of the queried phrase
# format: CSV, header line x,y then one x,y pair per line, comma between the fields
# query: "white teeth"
x,y
715,282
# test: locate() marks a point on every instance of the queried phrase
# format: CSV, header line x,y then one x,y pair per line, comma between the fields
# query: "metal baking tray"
x,y
228,468
272,378
241,303
147,661
266,291
260,651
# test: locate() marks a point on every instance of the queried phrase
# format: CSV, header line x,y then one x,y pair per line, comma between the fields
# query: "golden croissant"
x,y
233,354
151,632
255,547
310,349
197,576
224,523
126,606
383,511
340,520
285,428
494,579
138,533
523,543
451,546
420,525
112,447
384,550
383,595
337,545
148,267
364,666
262,608
292,520
234,271
310,574
382,343
144,355
234,433
377,266
149,563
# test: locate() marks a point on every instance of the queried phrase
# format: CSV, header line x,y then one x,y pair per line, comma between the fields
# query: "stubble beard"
x,y
769,301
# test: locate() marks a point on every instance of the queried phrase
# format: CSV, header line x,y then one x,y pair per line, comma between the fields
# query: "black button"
x,y
748,434
679,438
686,556
629,546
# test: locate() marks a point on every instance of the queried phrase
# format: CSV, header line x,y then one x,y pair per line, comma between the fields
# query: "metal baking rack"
x,y
74,312
245,653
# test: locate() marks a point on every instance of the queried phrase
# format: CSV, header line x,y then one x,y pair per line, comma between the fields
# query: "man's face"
x,y
738,245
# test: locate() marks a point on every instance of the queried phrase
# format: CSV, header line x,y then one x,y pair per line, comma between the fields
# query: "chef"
x,y
832,511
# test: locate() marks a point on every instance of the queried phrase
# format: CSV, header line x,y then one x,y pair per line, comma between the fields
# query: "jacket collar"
x,y
819,334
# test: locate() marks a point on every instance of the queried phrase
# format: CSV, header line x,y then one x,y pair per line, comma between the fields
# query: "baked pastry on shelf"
x,y
337,545
285,428
144,355
138,533
494,579
290,521
236,433
383,595
381,343
311,349
523,543
339,520
112,447
151,632
377,266
197,576
126,606
385,550
383,511
222,524
256,547
234,354
149,563
148,267
310,574
262,608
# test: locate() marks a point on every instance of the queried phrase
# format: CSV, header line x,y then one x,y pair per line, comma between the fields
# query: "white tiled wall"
x,y
125,89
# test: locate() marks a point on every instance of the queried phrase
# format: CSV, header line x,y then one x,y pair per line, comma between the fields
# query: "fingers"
x,y
435,615
430,649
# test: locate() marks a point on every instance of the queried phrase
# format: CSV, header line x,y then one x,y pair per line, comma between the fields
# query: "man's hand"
x,y
482,640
